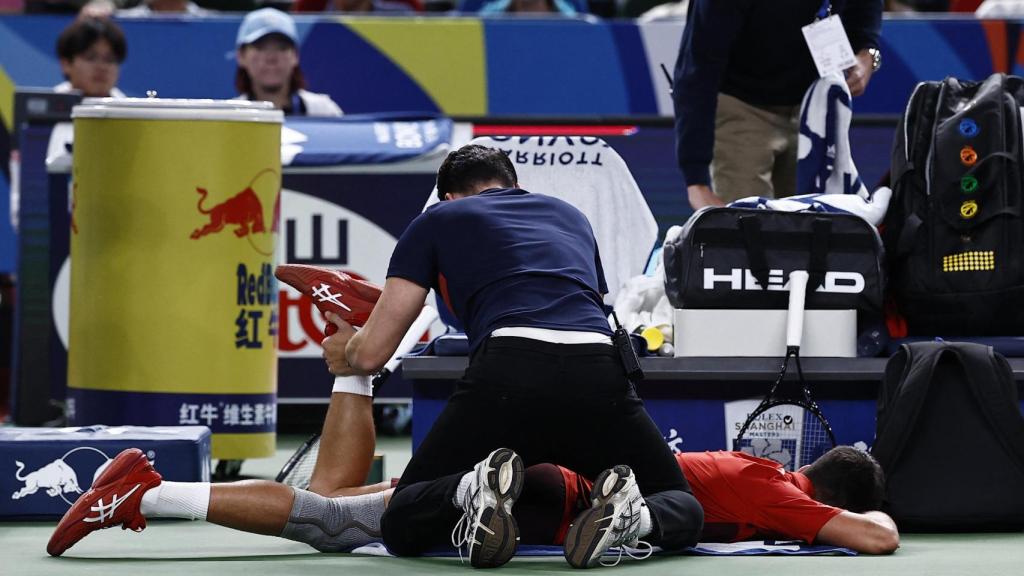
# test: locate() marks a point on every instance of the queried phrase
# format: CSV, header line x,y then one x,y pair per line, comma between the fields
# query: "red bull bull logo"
x,y
59,478
243,212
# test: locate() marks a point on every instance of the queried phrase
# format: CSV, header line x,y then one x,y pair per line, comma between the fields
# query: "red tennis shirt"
x,y
746,497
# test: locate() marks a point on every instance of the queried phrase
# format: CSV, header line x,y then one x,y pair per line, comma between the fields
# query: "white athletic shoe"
x,y
613,520
487,528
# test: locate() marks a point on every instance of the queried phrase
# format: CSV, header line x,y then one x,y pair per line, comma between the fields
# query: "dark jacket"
x,y
753,50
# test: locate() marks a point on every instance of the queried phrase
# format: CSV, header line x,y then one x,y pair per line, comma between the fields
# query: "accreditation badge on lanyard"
x,y
827,41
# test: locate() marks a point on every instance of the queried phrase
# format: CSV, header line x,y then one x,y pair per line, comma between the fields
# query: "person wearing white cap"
x,y
268,66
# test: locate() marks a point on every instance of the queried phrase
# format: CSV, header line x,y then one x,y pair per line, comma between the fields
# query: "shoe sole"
x,y
588,531
499,528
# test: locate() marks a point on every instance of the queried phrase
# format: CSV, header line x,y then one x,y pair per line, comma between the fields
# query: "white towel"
x,y
824,164
587,173
871,208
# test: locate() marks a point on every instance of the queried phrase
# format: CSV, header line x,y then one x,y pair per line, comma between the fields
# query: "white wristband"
x,y
360,385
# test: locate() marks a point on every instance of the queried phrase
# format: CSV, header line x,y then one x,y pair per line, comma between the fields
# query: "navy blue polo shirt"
x,y
506,257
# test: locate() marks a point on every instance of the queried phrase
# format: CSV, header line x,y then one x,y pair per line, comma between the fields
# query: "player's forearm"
x,y
358,359
869,533
882,519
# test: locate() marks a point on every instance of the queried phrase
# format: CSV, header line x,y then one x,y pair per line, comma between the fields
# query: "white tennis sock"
x,y
189,500
464,485
645,521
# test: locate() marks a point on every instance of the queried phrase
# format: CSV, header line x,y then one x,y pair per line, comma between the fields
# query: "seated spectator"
x,y
375,6
562,7
268,66
91,51
664,12
164,7
359,6
1000,9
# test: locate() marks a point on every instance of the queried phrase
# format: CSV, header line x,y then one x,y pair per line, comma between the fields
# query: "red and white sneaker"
x,y
332,291
113,500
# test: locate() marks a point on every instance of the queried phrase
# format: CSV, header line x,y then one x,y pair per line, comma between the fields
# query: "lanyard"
x,y
825,11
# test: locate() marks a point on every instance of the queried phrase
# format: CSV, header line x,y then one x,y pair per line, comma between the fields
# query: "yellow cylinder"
x,y
173,313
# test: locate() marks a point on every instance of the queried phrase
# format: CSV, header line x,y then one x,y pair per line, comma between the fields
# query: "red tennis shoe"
x,y
332,291
113,500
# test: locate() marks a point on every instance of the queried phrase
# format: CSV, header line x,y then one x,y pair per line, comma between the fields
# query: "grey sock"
x,y
335,524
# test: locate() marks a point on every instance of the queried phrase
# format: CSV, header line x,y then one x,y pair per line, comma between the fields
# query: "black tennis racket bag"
x,y
740,258
950,437
953,231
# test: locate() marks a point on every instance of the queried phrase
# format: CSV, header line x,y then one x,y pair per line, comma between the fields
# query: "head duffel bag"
x,y
737,258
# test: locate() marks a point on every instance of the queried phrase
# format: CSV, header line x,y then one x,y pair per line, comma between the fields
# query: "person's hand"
x,y
858,75
335,344
700,195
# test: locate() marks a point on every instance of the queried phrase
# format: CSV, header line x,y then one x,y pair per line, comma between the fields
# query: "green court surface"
x,y
193,548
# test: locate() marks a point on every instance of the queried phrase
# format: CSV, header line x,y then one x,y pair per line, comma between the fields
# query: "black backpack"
x,y
953,232
950,437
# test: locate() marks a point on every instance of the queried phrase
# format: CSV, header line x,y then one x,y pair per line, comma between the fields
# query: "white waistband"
x,y
553,336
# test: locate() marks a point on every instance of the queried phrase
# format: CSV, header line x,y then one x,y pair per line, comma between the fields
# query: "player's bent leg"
x,y
360,490
346,445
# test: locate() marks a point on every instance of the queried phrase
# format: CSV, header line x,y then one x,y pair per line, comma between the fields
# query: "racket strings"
x,y
298,471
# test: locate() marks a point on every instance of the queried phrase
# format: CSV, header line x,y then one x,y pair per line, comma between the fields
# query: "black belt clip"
x,y
627,353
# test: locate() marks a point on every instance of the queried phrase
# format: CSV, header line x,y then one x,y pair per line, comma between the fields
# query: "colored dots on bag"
x,y
968,184
968,156
969,128
968,209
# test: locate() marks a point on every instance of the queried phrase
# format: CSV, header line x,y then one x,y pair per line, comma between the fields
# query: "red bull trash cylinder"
x,y
173,305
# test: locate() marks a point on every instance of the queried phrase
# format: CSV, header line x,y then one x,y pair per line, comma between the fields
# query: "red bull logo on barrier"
x,y
243,213
58,478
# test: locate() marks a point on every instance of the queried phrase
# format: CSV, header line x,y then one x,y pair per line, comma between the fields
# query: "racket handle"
x,y
331,328
795,315
412,336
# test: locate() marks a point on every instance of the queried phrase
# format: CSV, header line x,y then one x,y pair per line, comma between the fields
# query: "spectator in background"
x,y
164,8
667,11
562,7
1000,9
382,7
742,72
268,66
91,51
375,6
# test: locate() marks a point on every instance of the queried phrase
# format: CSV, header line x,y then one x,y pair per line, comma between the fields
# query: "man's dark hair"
x,y
81,34
847,478
472,165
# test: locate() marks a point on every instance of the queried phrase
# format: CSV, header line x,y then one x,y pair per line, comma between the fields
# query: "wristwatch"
x,y
876,59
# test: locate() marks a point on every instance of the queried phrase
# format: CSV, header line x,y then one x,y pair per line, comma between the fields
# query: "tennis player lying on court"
x,y
829,502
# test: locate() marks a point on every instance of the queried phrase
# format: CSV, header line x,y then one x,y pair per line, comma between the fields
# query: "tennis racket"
x,y
412,337
298,470
795,431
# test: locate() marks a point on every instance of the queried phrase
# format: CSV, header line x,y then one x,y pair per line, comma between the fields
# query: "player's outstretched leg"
x,y
486,495
618,516
113,500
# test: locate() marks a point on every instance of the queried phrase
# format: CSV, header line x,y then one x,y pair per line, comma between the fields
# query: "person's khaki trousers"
x,y
755,150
